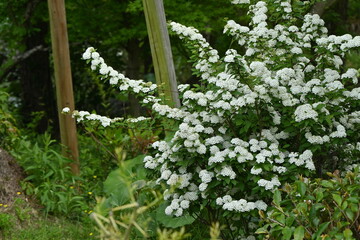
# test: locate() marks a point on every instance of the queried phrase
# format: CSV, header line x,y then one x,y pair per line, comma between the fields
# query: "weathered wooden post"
x,y
63,80
161,51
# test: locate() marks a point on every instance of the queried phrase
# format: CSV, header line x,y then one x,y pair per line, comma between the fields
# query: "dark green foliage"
x,y
315,209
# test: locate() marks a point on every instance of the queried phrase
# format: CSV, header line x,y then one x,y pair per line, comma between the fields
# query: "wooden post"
x,y
161,51
63,80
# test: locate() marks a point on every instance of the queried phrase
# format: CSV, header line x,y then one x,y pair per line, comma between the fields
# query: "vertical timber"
x,y
161,52
63,81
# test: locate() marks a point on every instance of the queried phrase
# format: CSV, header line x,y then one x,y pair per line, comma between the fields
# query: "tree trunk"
x,y
35,79
63,81
133,69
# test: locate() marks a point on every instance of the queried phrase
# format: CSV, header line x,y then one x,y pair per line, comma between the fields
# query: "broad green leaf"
x,y
119,183
277,197
337,198
344,205
347,233
326,183
319,196
353,199
350,214
301,188
281,218
321,229
354,207
286,233
262,230
320,106
337,214
315,221
299,233
289,221
302,207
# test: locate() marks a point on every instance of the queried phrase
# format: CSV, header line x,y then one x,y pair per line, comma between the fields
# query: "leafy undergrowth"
x,y
21,221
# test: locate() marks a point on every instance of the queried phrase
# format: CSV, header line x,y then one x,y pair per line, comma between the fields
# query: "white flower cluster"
x,y
82,116
305,111
241,205
240,1
177,206
116,78
303,159
269,185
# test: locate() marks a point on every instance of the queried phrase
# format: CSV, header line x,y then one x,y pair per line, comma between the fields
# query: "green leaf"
x,y
302,207
301,188
347,233
353,199
281,218
319,196
337,214
326,184
350,214
354,207
289,221
315,221
277,197
119,183
321,229
286,233
328,119
320,106
344,205
262,230
299,233
337,198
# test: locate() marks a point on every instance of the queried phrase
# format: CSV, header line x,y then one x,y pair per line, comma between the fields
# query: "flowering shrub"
x,y
277,105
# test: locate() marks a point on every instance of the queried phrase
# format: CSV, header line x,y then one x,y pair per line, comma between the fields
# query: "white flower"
x,y
202,187
261,205
178,212
184,204
227,171
87,54
95,55
104,69
114,80
240,1
66,110
168,210
255,171
305,111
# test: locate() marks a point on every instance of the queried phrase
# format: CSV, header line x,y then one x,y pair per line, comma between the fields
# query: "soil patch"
x,y
10,176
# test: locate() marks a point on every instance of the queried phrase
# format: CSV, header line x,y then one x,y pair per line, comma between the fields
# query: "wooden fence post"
x,y
161,51
63,80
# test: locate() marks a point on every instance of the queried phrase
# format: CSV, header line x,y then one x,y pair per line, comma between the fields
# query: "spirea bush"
x,y
278,104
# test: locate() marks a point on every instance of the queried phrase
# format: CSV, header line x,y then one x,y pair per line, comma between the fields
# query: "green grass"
x,y
20,221
49,229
